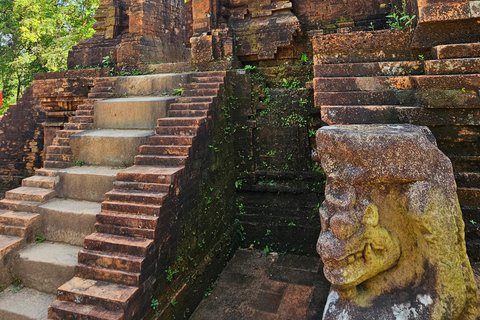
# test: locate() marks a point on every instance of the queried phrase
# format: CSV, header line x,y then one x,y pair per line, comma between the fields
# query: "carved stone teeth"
x,y
351,259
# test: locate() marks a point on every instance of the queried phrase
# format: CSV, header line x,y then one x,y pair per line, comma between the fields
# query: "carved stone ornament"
x,y
392,238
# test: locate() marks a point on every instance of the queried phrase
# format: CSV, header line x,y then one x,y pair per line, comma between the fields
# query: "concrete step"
x,y
131,113
26,304
177,130
46,266
171,140
393,68
67,220
148,174
117,244
461,50
151,85
88,183
189,106
165,150
108,147
30,194
135,196
400,97
453,66
40,182
108,296
157,160
60,310
9,243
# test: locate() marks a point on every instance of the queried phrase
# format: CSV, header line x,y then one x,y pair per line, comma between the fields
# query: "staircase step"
x,y
165,150
44,172
469,197
127,220
57,164
40,182
147,174
16,231
189,106
171,140
80,119
19,205
465,163
199,92
46,266
131,208
168,161
62,310
9,243
67,220
181,121
135,196
194,99
64,142
30,194
210,79
461,50
466,179
141,186
59,157
221,74
109,296
100,95
368,114
111,260
176,130
391,68
453,66
26,304
188,113
113,243
197,86
59,149
400,97
84,113
18,218
110,275
66,133
125,231
78,126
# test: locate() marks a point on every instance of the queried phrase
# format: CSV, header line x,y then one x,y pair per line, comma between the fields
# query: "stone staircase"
x,y
442,94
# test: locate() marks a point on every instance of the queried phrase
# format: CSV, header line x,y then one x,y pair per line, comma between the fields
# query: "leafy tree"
x,y
35,36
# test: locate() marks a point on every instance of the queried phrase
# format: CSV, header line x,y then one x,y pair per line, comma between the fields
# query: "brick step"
x,y
80,119
181,121
182,99
402,97
110,275
199,92
469,197
87,106
221,74
390,68
461,50
176,130
168,161
64,142
19,218
189,106
171,140
460,83
10,243
210,79
368,114
131,208
18,205
453,66
59,157
113,243
106,87
57,164
125,231
127,220
66,133
30,194
165,150
466,179
147,174
188,113
38,181
135,196
110,296
84,112
208,85
78,126
97,95
44,172
465,163
141,186
16,231
62,310
59,150
115,261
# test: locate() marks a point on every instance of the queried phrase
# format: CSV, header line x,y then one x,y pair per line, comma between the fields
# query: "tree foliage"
x,y
36,35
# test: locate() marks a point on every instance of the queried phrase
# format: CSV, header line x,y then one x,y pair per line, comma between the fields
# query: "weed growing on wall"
x,y
400,19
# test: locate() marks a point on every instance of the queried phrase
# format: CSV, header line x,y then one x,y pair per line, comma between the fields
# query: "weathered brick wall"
x,y
21,140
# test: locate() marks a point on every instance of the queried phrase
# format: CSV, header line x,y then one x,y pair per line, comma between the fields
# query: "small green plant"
x,y
371,26
250,69
267,249
292,224
154,304
400,19
304,60
173,303
17,284
178,92
271,153
293,85
421,57
39,238
473,222
170,273
77,163
269,232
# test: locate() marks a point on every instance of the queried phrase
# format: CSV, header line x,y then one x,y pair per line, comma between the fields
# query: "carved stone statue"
x,y
392,238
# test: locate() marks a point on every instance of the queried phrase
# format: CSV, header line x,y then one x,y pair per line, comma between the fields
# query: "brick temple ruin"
x,y
127,195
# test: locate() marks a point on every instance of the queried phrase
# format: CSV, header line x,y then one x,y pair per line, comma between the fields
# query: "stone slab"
x,y
155,84
108,147
46,266
27,304
131,113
